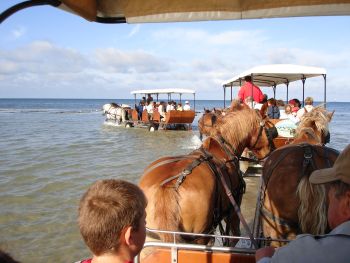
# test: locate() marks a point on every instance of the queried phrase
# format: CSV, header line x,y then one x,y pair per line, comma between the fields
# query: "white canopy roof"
x,y
163,91
275,74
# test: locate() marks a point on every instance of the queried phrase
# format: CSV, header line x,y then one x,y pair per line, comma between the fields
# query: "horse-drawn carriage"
x,y
273,76
287,205
277,219
162,117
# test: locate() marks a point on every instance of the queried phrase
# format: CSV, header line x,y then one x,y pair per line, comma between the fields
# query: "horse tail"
x,y
167,211
312,212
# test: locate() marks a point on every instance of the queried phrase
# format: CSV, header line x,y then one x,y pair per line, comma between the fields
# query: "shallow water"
x,y
52,150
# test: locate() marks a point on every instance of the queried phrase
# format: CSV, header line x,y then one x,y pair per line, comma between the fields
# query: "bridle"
x,y
271,133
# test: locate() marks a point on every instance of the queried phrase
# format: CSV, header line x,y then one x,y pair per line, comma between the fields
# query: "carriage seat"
x,y
179,117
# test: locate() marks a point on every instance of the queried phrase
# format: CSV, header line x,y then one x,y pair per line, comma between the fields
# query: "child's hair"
x,y
272,101
288,108
106,209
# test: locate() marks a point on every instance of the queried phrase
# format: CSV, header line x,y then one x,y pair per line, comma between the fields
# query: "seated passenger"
x,y
187,105
170,106
307,108
179,107
273,111
287,114
161,110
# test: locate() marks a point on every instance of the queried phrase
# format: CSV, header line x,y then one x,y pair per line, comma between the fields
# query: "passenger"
x,y
246,90
150,109
140,109
179,107
273,111
161,110
187,105
170,106
149,98
112,221
331,247
287,114
307,108
295,105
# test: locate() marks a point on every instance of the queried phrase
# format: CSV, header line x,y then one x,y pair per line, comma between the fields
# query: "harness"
x,y
220,169
308,165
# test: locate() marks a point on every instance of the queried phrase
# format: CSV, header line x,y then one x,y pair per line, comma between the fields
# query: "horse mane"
x,y
234,125
318,118
312,212
115,105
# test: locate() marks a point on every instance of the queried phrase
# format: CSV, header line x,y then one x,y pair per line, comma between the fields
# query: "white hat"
x,y
187,101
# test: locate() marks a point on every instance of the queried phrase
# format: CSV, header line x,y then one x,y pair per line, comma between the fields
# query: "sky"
x,y
48,53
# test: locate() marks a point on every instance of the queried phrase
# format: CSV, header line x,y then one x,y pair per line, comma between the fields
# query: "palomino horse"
x,y
114,112
207,122
289,205
186,193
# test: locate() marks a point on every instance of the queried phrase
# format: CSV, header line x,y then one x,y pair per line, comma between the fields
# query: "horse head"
x,y
207,123
313,127
243,128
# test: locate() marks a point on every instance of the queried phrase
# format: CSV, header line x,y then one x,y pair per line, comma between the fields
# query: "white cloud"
x,y
138,61
18,32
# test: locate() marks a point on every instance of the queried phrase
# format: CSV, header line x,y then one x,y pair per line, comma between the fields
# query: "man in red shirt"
x,y
246,91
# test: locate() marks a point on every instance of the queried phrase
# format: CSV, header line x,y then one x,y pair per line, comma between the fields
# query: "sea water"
x,y
51,150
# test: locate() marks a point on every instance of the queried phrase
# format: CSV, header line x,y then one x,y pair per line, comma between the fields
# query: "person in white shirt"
x,y
307,108
187,105
170,106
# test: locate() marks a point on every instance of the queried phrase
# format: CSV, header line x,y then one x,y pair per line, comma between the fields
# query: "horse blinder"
x,y
272,132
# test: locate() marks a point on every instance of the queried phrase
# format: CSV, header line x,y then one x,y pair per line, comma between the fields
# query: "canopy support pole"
x,y
325,90
224,96
287,84
303,80
252,91
194,102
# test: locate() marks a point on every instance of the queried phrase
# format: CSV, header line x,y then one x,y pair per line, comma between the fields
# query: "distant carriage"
x,y
166,119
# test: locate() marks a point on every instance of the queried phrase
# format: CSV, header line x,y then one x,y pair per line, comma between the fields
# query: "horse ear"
x,y
330,115
235,105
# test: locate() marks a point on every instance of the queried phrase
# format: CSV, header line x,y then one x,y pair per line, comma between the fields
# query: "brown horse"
x,y
185,192
289,205
207,122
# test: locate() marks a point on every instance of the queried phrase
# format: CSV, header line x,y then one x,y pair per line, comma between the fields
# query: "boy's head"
x,y
109,213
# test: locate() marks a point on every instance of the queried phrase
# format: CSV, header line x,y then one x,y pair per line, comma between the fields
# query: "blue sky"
x,y
48,53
